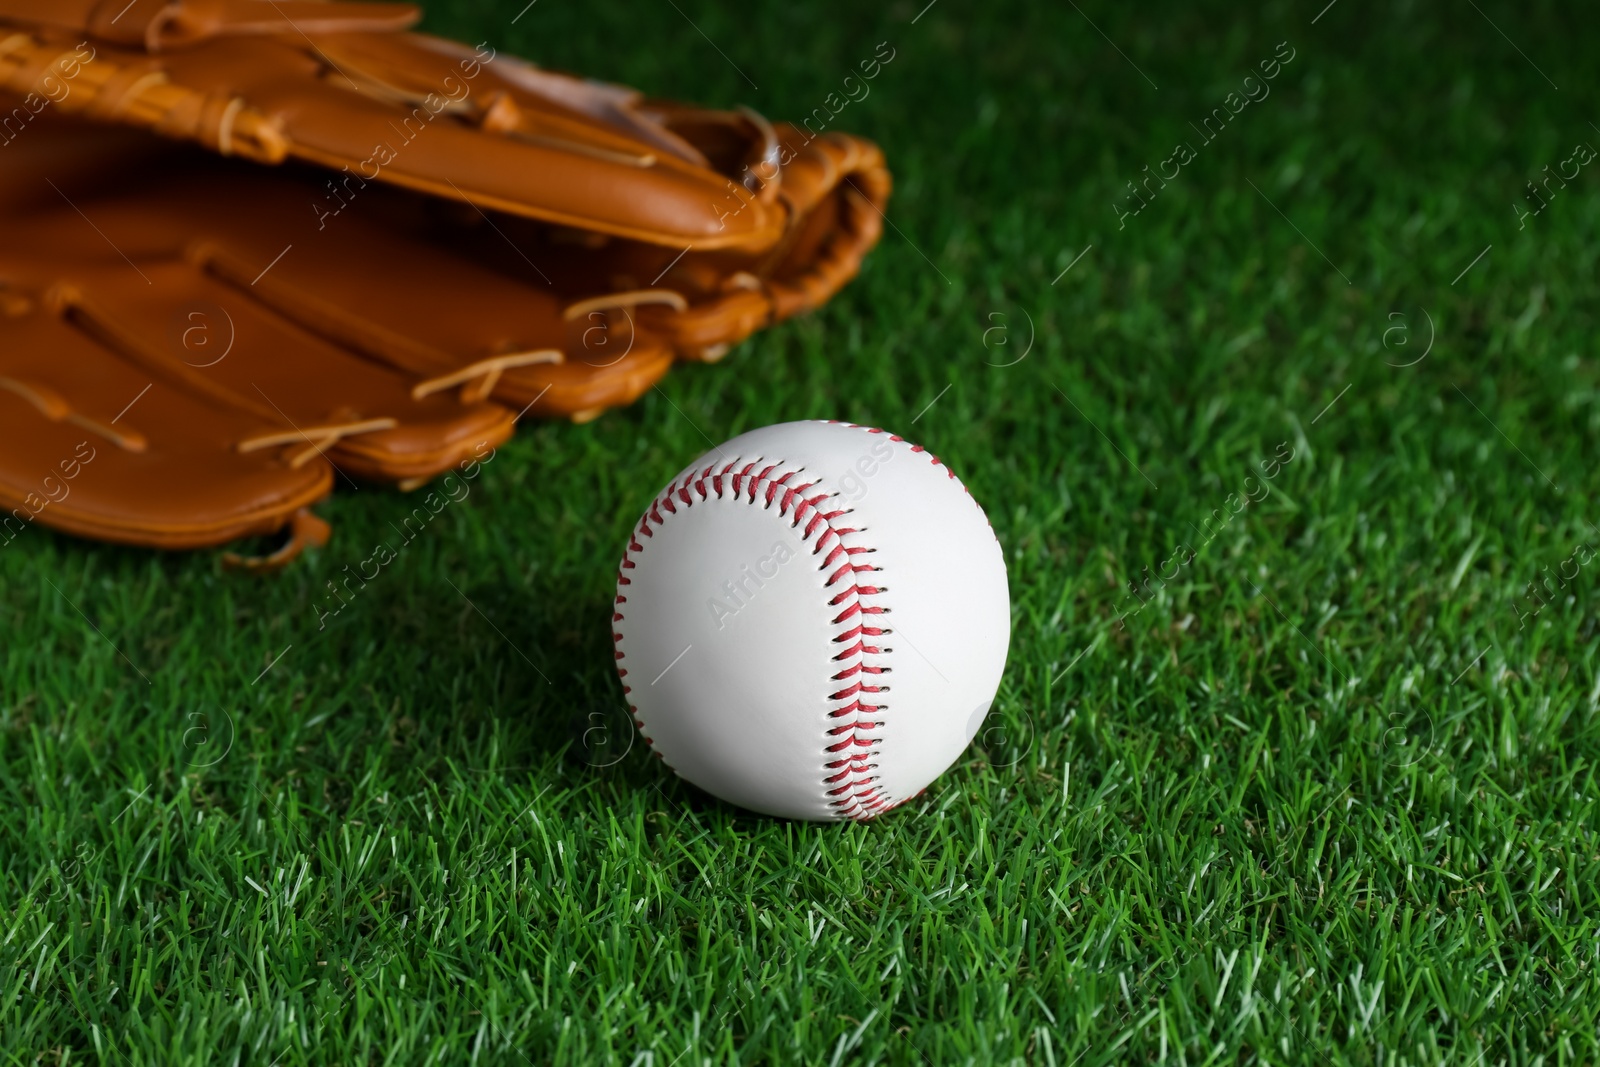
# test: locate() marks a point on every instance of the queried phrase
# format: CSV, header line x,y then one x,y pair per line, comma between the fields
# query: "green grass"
x,y
1287,812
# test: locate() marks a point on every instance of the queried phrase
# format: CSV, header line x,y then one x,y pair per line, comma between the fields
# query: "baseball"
x,y
811,620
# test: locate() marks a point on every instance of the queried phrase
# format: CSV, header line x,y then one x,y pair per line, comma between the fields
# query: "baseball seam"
x,y
851,746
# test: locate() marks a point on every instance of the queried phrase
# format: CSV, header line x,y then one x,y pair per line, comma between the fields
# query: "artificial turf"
x,y
1328,797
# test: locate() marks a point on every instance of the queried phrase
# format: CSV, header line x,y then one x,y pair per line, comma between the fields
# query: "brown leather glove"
x,y
436,228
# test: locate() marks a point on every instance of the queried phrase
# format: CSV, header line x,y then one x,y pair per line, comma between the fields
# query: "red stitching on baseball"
x,y
850,785
850,780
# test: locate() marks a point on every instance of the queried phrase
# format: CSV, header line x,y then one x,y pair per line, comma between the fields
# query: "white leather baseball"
x,y
811,621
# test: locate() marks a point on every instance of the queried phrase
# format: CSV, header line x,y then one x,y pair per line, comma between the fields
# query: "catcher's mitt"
x,y
435,228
